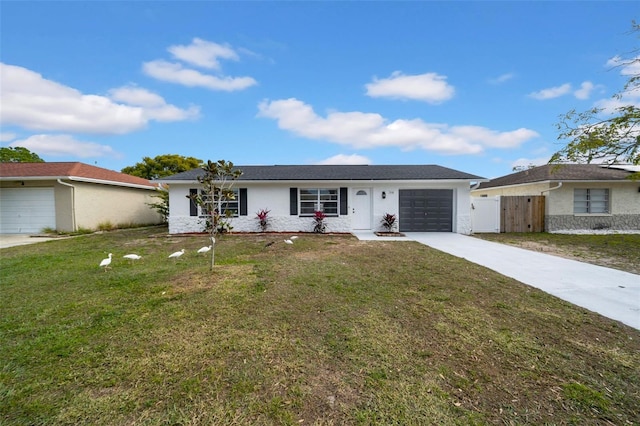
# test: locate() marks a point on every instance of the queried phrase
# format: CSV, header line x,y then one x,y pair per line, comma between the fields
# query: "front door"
x,y
361,208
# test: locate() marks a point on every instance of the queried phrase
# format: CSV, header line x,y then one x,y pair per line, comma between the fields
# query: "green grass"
x,y
327,331
619,251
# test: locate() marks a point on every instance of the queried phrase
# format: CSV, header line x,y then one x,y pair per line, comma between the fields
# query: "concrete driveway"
x,y
11,240
612,293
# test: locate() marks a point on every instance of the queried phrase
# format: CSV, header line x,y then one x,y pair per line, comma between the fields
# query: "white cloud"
x,y
629,66
176,73
7,136
155,107
429,87
502,78
64,146
353,159
552,92
611,105
136,96
31,101
203,53
584,91
369,130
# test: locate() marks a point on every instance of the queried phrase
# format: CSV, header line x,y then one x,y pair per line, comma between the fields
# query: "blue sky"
x,y
475,86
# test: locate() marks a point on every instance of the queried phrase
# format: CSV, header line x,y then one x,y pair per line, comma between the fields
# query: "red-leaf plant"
x,y
263,219
319,225
388,222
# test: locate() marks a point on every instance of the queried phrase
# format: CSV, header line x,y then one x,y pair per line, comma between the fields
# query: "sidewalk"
x,y
612,293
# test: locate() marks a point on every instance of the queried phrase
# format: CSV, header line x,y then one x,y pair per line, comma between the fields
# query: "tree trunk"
x,y
213,252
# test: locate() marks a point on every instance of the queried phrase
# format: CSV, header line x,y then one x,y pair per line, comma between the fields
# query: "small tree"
x,y
599,135
162,205
217,182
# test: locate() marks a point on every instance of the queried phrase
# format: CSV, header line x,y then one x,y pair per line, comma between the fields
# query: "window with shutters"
x,y
590,201
325,200
230,208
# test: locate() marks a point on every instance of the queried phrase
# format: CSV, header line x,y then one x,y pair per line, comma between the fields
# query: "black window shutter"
x,y
343,201
193,207
293,201
243,201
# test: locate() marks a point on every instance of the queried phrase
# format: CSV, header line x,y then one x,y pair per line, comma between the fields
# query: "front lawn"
x,y
328,330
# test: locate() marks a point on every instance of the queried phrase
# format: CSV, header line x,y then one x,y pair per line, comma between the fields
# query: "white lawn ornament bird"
x,y
176,254
204,249
288,241
132,256
106,262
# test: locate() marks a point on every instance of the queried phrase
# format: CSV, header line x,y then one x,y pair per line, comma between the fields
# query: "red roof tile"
x,y
67,170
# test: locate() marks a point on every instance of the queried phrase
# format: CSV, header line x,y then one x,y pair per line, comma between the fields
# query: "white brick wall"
x,y
187,224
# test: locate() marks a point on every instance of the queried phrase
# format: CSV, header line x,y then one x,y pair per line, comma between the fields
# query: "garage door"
x,y
426,210
26,210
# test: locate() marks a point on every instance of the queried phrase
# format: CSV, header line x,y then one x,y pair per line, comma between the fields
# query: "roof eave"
x,y
75,179
551,181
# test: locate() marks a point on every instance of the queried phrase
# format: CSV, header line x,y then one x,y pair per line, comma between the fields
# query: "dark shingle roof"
x,y
558,172
68,170
336,172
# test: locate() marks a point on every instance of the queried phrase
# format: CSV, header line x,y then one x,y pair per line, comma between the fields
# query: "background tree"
x,y
158,167
18,154
217,182
162,166
602,135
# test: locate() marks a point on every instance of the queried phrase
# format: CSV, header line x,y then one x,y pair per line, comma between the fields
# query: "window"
x,y
318,199
230,206
591,201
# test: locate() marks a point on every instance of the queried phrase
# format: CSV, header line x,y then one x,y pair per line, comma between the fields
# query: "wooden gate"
x,y
522,213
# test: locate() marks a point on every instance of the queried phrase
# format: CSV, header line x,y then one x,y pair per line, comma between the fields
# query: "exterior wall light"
x,y
384,195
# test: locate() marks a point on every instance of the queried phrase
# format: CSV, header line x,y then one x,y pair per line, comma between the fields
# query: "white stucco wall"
x,y
624,197
275,197
96,204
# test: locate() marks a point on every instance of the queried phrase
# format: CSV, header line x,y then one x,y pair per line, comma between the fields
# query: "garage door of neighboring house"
x,y
26,210
426,210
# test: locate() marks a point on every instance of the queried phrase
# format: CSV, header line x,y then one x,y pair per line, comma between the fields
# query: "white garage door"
x,y
26,210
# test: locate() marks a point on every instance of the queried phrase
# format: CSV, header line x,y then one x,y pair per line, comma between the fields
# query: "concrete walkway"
x,y
612,293
12,240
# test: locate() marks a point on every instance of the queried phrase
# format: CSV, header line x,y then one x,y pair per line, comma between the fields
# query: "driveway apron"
x,y
612,293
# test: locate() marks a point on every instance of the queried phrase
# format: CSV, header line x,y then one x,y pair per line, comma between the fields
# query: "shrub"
x,y
388,222
319,226
263,219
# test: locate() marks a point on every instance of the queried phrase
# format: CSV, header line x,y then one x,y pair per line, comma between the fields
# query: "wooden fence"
x,y
522,213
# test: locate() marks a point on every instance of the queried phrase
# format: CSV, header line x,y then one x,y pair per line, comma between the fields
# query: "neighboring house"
x,y
577,196
354,197
67,196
